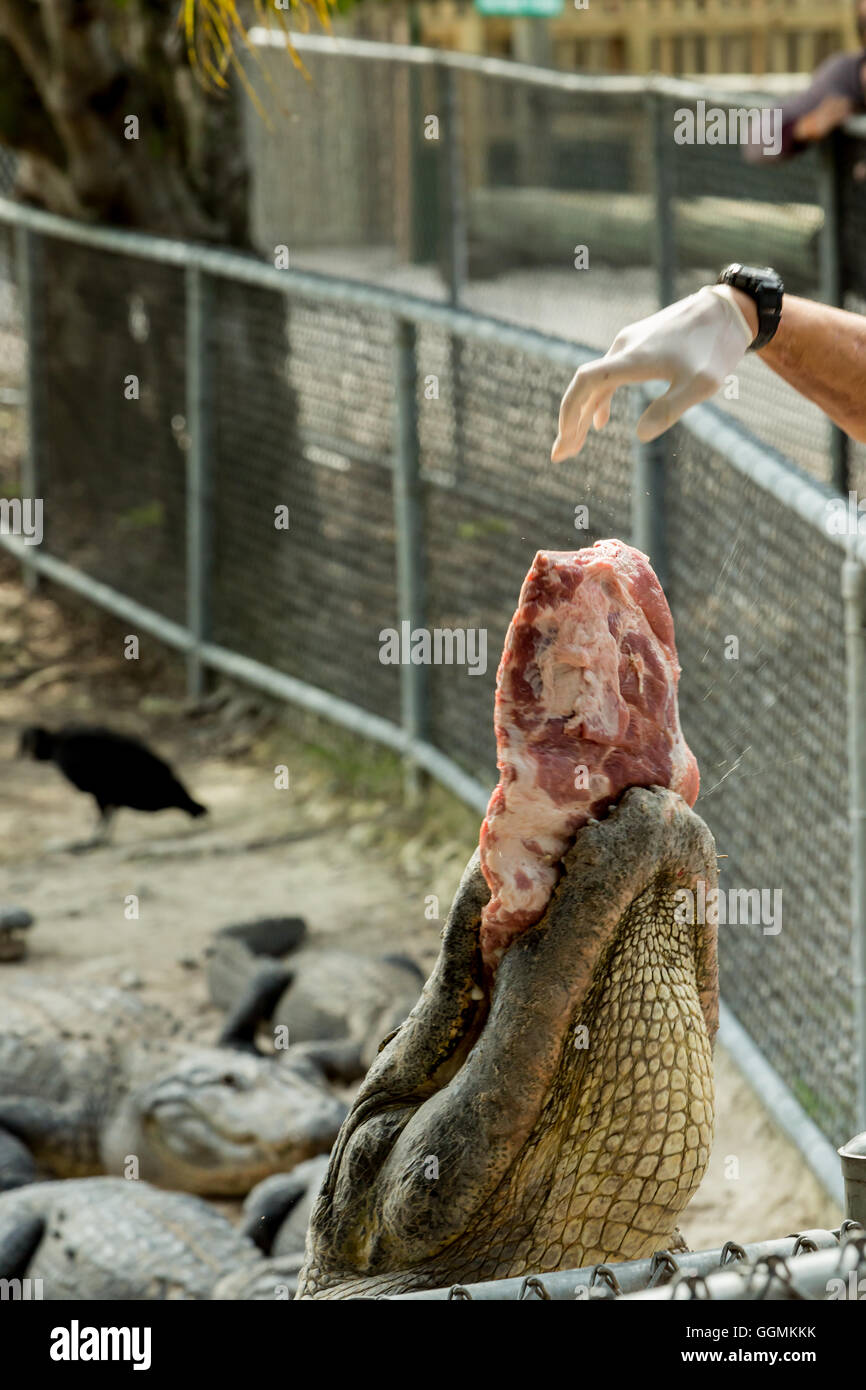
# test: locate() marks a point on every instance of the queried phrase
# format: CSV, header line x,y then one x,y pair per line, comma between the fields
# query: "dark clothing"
x,y
839,76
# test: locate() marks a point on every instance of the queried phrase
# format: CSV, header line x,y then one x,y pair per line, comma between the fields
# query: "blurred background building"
x,y
755,37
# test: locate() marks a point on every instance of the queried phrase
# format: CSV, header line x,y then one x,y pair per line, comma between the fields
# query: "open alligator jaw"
x,y
559,1113
566,1120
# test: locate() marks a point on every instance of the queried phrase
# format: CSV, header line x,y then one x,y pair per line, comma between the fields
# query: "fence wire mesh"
x,y
108,339
755,595
484,444
345,206
302,411
539,173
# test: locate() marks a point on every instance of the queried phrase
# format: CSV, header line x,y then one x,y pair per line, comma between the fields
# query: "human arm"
x,y
821,352
697,343
837,91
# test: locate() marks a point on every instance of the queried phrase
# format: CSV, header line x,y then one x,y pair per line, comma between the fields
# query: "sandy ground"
x,y
337,848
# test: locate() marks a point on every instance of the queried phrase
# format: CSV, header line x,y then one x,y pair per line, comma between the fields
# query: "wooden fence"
x,y
668,36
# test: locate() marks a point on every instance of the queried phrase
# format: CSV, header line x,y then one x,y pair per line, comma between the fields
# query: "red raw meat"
x,y
587,681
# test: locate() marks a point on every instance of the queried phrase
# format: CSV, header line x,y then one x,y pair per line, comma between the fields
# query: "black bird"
x,y
116,770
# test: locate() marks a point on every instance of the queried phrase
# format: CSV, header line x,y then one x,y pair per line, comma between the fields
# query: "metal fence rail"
x,y
178,397
830,1275
691,1275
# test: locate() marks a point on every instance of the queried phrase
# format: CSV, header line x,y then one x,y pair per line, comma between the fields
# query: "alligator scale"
x,y
549,1101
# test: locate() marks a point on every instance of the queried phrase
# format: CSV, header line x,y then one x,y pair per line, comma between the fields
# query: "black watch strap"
x,y
766,288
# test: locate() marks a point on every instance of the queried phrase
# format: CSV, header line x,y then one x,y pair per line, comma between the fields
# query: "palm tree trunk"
x,y
111,124
72,74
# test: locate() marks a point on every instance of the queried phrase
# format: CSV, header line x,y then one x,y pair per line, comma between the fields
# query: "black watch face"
x,y
757,277
765,287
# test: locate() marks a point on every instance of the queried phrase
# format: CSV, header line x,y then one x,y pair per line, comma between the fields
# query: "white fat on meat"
x,y
586,706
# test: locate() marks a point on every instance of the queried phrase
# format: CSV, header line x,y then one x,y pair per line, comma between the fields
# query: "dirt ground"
x,y
337,848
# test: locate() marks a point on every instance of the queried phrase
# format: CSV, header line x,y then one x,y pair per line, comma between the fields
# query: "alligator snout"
x,y
563,1117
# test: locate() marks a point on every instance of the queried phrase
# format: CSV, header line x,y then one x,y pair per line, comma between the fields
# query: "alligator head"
x,y
215,1121
558,1116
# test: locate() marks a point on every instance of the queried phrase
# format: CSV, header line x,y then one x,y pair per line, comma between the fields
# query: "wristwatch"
x,y
766,288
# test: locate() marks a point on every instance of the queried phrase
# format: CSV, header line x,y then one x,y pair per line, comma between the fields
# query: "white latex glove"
x,y
694,344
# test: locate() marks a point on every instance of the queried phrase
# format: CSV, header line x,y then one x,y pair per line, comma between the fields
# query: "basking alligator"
x,y
339,1002
277,1211
110,1238
89,1078
276,1216
264,1282
556,1113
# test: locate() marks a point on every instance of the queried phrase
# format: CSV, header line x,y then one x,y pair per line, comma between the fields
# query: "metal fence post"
x,y
649,475
853,1156
409,539
30,482
424,191
454,239
664,183
198,499
832,288
454,231
650,460
854,598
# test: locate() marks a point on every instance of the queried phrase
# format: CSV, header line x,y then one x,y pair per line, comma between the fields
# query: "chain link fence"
x,y
481,181
273,467
769,732
109,444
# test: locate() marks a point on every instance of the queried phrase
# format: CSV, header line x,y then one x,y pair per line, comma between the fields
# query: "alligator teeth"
x,y
476,992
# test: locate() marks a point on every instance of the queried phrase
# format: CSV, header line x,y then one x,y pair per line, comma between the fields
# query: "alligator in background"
x,y
276,1215
113,1239
557,1116
340,1004
92,1079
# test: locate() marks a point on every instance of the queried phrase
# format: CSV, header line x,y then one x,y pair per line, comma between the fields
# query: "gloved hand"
x,y
694,344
